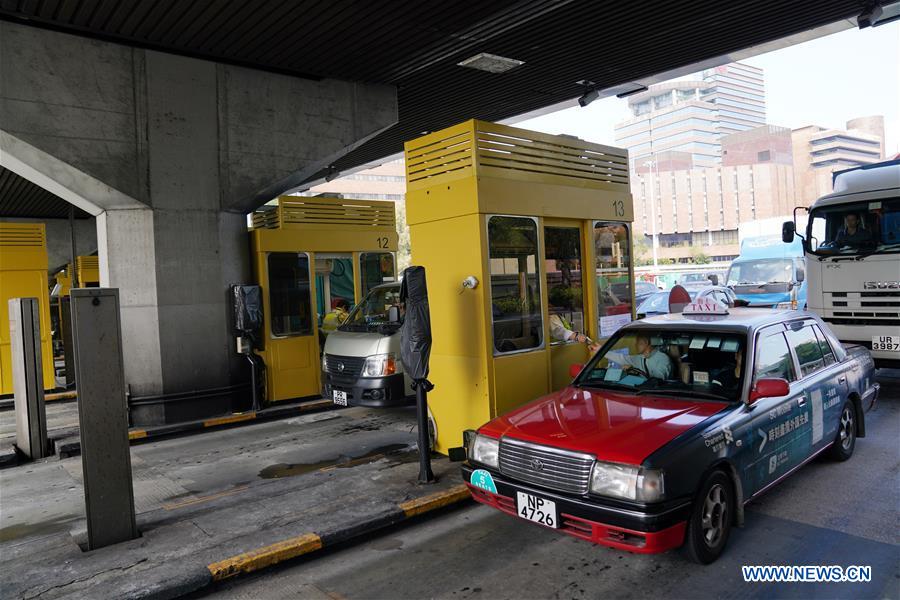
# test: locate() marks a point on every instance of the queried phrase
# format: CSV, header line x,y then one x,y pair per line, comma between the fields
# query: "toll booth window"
x,y
565,295
515,289
376,268
290,304
612,249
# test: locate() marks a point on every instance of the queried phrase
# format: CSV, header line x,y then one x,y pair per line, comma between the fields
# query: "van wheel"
x,y
845,439
711,519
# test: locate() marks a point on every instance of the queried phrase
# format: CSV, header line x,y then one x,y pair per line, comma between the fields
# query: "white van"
x,y
361,361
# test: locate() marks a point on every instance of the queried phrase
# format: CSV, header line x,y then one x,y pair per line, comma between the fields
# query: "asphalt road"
x,y
825,514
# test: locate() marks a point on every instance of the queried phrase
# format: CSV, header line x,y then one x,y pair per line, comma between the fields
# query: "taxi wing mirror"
x,y
769,387
574,370
394,314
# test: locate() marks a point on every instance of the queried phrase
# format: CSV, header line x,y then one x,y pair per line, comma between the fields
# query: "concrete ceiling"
x,y
416,45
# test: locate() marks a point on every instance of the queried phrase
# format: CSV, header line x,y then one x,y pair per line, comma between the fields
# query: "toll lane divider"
x,y
272,554
10,403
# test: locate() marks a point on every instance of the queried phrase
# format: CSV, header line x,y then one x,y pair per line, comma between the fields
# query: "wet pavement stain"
x,y
394,452
22,530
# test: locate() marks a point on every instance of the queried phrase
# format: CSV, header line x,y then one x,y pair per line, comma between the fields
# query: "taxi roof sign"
x,y
705,306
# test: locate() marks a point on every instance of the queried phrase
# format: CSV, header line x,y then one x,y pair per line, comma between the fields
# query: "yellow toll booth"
x,y
315,258
539,228
23,274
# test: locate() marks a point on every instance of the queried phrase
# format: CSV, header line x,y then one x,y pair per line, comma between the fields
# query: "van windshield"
x,y
372,313
761,272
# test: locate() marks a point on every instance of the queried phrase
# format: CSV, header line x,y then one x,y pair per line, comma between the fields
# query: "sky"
x,y
826,81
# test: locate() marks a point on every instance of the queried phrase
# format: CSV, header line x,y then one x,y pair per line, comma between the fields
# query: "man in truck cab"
x,y
852,233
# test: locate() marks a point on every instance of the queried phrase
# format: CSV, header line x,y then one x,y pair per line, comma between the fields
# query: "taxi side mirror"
x,y
769,387
574,370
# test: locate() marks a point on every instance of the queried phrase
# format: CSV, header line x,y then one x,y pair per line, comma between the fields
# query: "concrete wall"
x,y
194,145
59,245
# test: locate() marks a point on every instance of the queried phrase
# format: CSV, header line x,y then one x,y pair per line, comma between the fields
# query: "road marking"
x,y
424,504
201,499
265,556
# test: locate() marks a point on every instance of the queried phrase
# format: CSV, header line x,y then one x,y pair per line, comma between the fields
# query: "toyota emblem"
x,y
340,367
536,464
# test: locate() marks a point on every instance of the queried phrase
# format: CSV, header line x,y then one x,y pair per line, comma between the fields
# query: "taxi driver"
x,y
648,361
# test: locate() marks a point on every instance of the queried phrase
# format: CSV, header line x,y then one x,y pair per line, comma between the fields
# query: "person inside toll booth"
x,y
561,328
648,361
339,311
729,376
853,233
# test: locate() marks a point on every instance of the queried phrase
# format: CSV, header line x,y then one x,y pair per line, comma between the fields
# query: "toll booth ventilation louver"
x,y
324,211
491,149
22,234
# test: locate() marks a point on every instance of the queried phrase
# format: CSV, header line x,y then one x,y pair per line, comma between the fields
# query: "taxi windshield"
x,y
860,228
696,364
372,313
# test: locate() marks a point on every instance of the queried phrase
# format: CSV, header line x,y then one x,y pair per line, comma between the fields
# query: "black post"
x,y
415,350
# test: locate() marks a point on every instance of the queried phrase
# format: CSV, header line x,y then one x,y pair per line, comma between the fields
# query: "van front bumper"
x,y
374,392
641,532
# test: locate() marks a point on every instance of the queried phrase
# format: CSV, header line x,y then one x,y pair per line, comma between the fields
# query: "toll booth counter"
x,y
314,258
23,274
526,238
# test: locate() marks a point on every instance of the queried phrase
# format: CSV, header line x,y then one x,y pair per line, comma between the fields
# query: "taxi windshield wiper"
x,y
685,392
612,385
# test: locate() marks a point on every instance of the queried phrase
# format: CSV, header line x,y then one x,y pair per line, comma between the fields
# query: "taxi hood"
x,y
611,425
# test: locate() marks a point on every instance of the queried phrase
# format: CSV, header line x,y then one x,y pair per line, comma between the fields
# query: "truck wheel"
x,y
845,439
711,519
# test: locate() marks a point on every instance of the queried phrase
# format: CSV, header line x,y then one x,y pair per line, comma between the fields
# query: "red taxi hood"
x,y
615,427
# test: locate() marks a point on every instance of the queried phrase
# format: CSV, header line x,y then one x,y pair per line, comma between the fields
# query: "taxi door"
x,y
565,298
773,422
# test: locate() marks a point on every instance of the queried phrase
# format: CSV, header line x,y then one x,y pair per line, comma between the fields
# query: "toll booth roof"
x,y
299,212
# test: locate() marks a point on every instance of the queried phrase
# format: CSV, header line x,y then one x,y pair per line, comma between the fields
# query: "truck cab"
x,y
852,249
769,273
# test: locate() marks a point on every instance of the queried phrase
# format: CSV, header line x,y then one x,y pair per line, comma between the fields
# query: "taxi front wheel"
x,y
711,519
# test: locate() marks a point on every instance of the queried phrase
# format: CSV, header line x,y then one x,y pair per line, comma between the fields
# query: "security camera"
x,y
588,97
869,17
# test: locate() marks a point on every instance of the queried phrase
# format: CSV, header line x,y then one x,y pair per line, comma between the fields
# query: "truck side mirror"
x,y
394,314
714,279
787,232
801,275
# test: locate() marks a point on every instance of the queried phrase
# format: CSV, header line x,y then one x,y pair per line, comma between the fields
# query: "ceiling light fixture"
x,y
491,63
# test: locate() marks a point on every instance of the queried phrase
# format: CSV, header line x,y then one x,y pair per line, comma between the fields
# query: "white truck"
x,y
852,248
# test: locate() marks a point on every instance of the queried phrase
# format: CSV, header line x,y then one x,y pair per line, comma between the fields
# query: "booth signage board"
x,y
533,218
102,416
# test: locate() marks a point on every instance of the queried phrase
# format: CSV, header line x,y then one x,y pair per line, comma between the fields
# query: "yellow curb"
x,y
136,434
236,418
265,556
315,404
201,499
60,396
434,501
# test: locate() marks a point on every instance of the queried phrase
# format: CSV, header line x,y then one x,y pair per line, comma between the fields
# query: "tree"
x,y
699,257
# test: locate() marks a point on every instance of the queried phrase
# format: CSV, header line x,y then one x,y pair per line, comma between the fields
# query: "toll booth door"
x,y
565,301
292,348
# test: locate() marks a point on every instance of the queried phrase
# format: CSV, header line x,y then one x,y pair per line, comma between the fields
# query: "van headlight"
x,y
627,482
381,365
485,450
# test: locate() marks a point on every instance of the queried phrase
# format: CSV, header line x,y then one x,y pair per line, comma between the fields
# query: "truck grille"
x,y
344,368
548,467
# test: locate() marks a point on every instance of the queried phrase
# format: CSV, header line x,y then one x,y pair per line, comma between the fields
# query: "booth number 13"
x,y
618,208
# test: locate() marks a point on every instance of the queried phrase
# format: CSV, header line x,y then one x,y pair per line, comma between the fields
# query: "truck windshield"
x,y
701,364
372,313
761,272
859,228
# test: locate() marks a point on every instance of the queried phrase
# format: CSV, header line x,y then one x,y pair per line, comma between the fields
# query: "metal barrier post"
x,y
102,416
28,376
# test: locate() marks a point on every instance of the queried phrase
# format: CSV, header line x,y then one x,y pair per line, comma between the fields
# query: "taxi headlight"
x,y
485,450
627,482
381,365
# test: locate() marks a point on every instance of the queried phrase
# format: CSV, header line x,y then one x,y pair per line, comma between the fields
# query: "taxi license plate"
x,y
891,343
539,510
340,398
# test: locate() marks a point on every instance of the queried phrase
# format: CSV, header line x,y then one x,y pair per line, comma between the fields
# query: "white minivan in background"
x,y
361,361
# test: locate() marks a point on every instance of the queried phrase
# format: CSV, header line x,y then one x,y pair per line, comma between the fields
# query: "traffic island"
x,y
194,535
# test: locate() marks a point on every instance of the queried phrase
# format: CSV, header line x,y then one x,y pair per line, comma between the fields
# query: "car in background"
x,y
694,281
658,303
673,425
643,290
